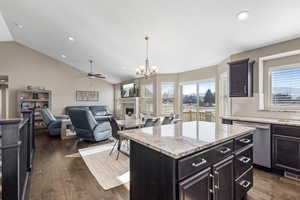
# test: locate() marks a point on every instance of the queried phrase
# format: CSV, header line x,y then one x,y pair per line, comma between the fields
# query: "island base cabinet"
x,y
152,174
216,183
156,176
196,187
243,184
223,180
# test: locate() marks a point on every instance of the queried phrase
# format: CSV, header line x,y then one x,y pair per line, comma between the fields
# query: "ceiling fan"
x,y
92,74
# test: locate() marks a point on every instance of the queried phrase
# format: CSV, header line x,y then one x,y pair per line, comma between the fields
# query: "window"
x,y
167,98
207,94
146,100
198,101
284,86
189,102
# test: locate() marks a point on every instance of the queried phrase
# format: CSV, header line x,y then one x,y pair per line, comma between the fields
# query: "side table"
x,y
67,131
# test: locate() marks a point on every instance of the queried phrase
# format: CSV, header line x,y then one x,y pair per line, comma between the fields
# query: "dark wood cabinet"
x,y
243,184
243,141
243,161
196,162
223,180
241,78
286,152
286,147
196,187
209,174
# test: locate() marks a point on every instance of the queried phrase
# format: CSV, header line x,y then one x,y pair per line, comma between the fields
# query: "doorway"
x,y
3,97
198,101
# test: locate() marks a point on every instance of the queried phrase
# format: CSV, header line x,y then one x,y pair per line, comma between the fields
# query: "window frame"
x,y
161,97
269,87
197,82
144,99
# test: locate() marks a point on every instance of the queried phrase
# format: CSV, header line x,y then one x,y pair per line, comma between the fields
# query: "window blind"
x,y
286,87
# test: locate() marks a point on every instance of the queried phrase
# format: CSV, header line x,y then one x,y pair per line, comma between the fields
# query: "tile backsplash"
x,y
249,106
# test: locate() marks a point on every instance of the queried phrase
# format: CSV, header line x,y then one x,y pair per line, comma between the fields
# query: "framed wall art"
x,y
87,95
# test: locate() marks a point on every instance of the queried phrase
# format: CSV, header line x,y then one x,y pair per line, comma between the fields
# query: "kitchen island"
x,y
190,161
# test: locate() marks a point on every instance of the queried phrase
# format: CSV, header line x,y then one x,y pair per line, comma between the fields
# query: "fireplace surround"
x,y
130,105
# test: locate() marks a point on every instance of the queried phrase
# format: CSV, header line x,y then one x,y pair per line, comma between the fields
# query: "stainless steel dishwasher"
x,y
261,142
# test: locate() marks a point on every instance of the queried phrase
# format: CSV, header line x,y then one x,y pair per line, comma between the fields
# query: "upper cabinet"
x,y
241,78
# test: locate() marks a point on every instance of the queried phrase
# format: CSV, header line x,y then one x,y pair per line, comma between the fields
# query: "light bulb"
x,y
243,15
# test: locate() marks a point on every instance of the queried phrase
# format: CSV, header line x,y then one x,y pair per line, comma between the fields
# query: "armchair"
x,y
101,113
53,123
86,126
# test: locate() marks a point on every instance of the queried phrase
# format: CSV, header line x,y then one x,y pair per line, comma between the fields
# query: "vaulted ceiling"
x,y
4,32
184,35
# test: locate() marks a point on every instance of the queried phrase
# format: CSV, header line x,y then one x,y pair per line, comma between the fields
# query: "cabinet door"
x,y
196,187
223,181
240,78
286,152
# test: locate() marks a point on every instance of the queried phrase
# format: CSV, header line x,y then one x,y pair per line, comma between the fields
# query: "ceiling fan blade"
x,y
96,75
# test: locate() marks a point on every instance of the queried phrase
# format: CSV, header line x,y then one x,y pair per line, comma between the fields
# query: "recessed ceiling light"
x,y
70,38
63,56
20,26
243,15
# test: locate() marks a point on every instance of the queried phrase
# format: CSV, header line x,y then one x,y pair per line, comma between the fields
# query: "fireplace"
x,y
129,110
130,105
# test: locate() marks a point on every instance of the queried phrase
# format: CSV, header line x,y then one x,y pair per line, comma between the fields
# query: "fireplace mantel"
x,y
129,99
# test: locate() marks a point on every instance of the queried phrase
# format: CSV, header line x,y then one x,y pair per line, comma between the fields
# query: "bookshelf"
x,y
34,99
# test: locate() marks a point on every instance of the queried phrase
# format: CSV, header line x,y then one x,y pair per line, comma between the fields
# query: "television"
x,y
128,90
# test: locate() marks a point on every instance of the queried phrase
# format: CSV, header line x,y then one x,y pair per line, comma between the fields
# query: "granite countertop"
x,y
264,120
184,138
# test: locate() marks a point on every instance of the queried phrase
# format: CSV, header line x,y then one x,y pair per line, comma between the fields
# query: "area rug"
x,y
108,171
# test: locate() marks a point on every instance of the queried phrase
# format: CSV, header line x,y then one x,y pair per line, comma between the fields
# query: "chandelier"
x,y
146,70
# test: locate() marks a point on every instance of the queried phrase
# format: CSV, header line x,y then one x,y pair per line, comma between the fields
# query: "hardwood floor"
x,y
60,174
269,186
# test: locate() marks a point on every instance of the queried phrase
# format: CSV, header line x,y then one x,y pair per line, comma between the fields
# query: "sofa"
x,y
101,113
52,122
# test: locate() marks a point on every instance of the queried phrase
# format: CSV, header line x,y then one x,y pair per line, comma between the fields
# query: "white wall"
x,y
25,66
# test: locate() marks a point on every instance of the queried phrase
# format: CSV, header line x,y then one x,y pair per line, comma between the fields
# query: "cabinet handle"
x,y
245,89
217,186
213,183
245,160
245,184
224,151
202,162
245,141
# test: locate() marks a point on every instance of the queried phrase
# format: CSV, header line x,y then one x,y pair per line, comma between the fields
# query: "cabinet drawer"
x,y
243,161
192,164
243,141
292,131
243,184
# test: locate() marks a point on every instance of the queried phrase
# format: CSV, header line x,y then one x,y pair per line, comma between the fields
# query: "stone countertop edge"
x,y
189,152
264,120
